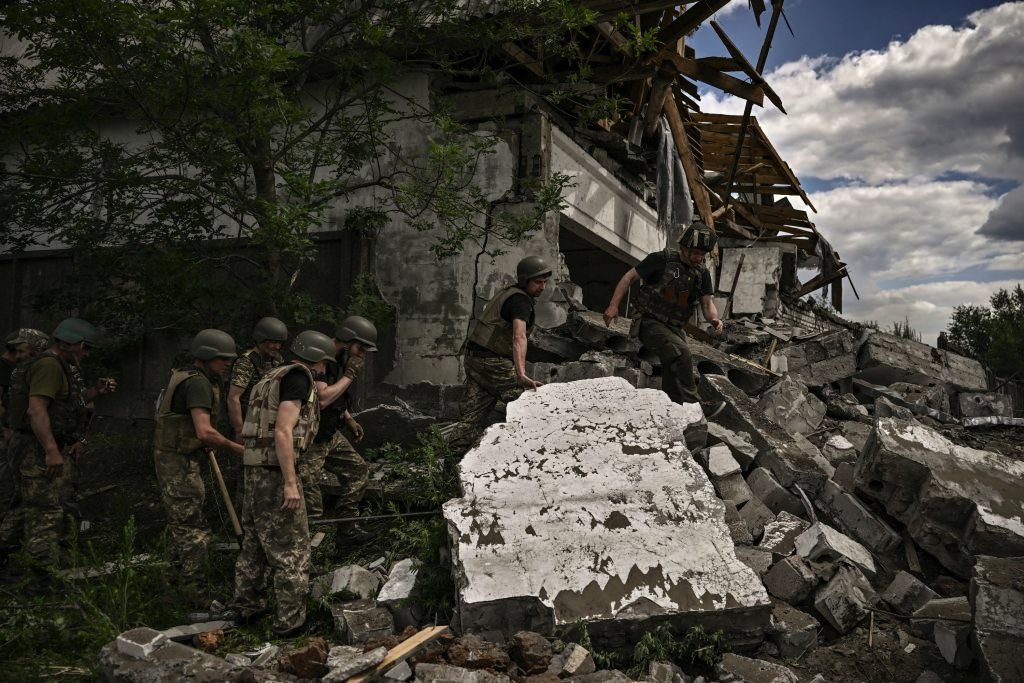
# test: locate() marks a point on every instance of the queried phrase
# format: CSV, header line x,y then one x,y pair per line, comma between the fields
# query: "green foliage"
x,y
367,301
992,334
696,649
904,330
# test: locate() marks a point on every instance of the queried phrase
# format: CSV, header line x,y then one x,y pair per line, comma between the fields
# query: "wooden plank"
x,y
764,189
784,166
720,63
725,82
521,56
747,67
690,19
400,652
618,40
661,86
693,177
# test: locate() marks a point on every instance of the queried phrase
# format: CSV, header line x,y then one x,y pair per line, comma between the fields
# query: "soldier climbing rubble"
x,y
673,283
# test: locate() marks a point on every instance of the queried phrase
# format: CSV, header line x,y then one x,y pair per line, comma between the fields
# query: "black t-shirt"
x,y
330,417
295,386
517,307
651,268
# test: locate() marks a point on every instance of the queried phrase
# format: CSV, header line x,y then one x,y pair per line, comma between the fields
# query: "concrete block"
x,y
997,606
345,661
755,558
474,652
766,488
571,511
796,632
140,642
838,449
738,442
790,405
171,662
906,594
954,642
922,623
846,476
732,487
854,518
531,652
843,602
891,403
777,450
445,673
983,405
398,595
779,535
956,502
351,579
791,580
886,359
929,395
720,462
756,514
361,620
753,670
738,529
399,672
846,407
822,542
187,632
856,433
574,660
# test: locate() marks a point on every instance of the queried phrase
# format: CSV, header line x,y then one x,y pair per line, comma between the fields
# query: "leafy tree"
x,y
184,150
992,334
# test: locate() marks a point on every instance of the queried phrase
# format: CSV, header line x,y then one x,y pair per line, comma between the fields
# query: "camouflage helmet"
x,y
270,329
698,236
357,328
37,339
209,344
75,330
313,347
531,267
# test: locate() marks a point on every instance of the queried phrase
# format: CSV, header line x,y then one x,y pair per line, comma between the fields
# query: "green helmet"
x,y
312,346
357,328
74,330
270,329
698,236
531,267
210,344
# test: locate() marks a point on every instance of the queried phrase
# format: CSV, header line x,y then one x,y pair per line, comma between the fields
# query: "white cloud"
x,y
732,8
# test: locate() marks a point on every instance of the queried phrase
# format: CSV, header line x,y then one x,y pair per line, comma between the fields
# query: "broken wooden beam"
x,y
748,68
754,94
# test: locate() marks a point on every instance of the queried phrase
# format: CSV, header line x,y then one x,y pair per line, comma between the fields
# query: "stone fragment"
x,y
588,327
846,476
766,488
755,558
753,670
826,359
984,405
172,661
822,542
187,632
351,579
445,673
997,605
237,659
856,433
571,511
790,405
394,422
344,661
929,677
592,368
891,403
791,580
473,652
929,395
780,534
838,450
756,514
399,672
361,620
732,487
398,594
846,407
922,623
854,518
845,599
666,672
140,642
777,450
886,359
955,501
719,462
954,642
906,593
531,651
309,661
796,632
738,442
574,660
604,676
547,346
737,526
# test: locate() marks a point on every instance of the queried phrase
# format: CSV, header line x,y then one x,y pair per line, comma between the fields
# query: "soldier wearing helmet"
x,y
674,283
186,420
270,335
49,413
332,449
495,359
283,419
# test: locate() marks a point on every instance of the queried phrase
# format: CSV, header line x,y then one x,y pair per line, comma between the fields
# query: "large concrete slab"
x,y
586,506
997,608
886,359
955,501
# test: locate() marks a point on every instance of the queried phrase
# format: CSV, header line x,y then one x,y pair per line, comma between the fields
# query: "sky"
x,y
905,126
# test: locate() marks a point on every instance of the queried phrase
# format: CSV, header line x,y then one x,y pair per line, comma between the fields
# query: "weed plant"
x,y
695,653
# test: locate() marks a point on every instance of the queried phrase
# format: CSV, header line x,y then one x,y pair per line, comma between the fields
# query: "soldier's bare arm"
x,y
209,436
707,305
235,416
39,420
284,444
519,354
612,312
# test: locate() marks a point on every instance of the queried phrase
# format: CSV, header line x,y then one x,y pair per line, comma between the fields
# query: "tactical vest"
x,y
258,429
261,366
493,332
175,432
69,416
674,297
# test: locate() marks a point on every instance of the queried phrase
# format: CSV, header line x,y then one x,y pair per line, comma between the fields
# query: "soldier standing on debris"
x,y
283,418
495,360
270,335
49,414
332,450
186,421
674,282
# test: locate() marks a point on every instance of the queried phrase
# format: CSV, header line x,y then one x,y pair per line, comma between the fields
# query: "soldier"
x,y
495,360
674,282
270,334
282,421
185,428
49,414
331,449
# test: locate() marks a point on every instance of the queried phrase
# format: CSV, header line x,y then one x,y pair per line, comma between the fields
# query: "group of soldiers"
x,y
288,421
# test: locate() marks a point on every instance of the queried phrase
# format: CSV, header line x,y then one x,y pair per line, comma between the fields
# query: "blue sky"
x,y
905,126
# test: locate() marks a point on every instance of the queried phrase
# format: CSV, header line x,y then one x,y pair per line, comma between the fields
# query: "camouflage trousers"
x,y
488,380
275,543
676,362
340,458
183,493
42,504
9,497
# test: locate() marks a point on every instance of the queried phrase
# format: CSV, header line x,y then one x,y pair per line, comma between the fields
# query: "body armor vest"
x,y
175,432
68,416
258,429
675,295
493,332
261,367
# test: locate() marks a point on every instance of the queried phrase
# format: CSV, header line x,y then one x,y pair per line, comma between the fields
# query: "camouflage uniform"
x,y
247,370
274,541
